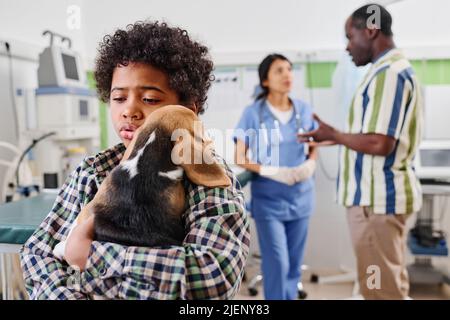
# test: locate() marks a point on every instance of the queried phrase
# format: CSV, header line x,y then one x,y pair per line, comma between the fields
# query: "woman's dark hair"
x,y
263,72
169,49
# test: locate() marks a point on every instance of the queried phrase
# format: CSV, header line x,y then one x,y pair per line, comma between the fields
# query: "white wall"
x,y
418,23
234,25
24,21
225,26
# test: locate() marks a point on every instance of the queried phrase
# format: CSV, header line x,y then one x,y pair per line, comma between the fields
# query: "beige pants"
x,y
379,242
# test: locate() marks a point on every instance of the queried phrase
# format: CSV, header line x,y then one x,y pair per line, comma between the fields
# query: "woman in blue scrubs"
x,y
283,189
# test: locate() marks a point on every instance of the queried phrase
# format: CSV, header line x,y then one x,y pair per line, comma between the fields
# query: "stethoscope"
x,y
276,122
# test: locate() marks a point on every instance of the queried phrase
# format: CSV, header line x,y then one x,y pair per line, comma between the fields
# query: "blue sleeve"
x,y
247,126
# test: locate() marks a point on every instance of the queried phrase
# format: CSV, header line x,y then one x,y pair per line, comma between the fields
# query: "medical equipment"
x,y
11,86
427,240
432,162
7,191
65,106
73,116
60,67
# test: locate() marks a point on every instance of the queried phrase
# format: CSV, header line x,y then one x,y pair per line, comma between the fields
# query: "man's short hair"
x,y
365,14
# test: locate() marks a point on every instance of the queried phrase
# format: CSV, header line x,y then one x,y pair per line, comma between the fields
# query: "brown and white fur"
x,y
142,200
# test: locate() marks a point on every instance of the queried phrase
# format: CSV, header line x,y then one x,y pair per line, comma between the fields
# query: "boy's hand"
x,y
79,244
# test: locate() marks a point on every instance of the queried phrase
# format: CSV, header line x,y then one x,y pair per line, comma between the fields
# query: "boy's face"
x,y
137,90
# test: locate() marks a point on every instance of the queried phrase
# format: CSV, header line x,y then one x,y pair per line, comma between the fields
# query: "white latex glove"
x,y
280,174
305,170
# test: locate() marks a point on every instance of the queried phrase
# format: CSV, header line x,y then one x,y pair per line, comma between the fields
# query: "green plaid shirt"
x,y
209,265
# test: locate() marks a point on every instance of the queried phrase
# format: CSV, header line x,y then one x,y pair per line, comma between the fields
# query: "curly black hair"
x,y
169,49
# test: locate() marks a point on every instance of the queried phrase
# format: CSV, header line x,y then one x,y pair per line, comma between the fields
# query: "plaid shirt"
x,y
210,263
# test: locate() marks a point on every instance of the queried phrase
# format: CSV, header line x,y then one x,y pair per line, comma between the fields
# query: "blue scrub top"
x,y
272,199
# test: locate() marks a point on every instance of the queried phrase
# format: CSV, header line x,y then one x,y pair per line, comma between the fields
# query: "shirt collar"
x,y
381,55
386,55
268,115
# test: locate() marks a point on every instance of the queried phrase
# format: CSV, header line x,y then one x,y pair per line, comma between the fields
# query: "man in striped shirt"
x,y
377,182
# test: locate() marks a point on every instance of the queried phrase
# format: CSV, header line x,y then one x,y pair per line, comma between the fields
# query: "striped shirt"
x,y
387,102
209,264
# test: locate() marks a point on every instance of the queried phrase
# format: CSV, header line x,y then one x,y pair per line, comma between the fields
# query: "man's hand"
x,y
79,244
368,143
324,135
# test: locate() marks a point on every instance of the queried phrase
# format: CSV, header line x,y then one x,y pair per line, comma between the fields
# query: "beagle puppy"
x,y
141,201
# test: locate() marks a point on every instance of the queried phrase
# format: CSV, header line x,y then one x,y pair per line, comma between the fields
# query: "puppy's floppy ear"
x,y
206,172
195,154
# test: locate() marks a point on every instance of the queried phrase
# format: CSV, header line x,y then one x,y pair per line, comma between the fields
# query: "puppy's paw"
x,y
59,250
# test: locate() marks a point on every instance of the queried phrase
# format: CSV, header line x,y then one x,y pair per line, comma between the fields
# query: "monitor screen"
x,y
84,111
70,67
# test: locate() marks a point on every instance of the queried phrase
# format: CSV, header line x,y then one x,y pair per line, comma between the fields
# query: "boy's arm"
x,y
45,276
79,243
210,263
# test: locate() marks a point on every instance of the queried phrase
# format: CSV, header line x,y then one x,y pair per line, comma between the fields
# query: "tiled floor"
x,y
344,290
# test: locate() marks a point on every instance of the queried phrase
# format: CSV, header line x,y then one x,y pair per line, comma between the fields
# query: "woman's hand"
x,y
79,244
305,170
280,174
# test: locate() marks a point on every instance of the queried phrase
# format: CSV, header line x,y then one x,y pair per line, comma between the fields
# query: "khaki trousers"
x,y
379,242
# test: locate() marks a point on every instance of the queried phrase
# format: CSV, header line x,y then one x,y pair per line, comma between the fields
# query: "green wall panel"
x,y
432,72
103,113
320,74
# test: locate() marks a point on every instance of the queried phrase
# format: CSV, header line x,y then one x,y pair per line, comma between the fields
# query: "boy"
x,y
142,68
